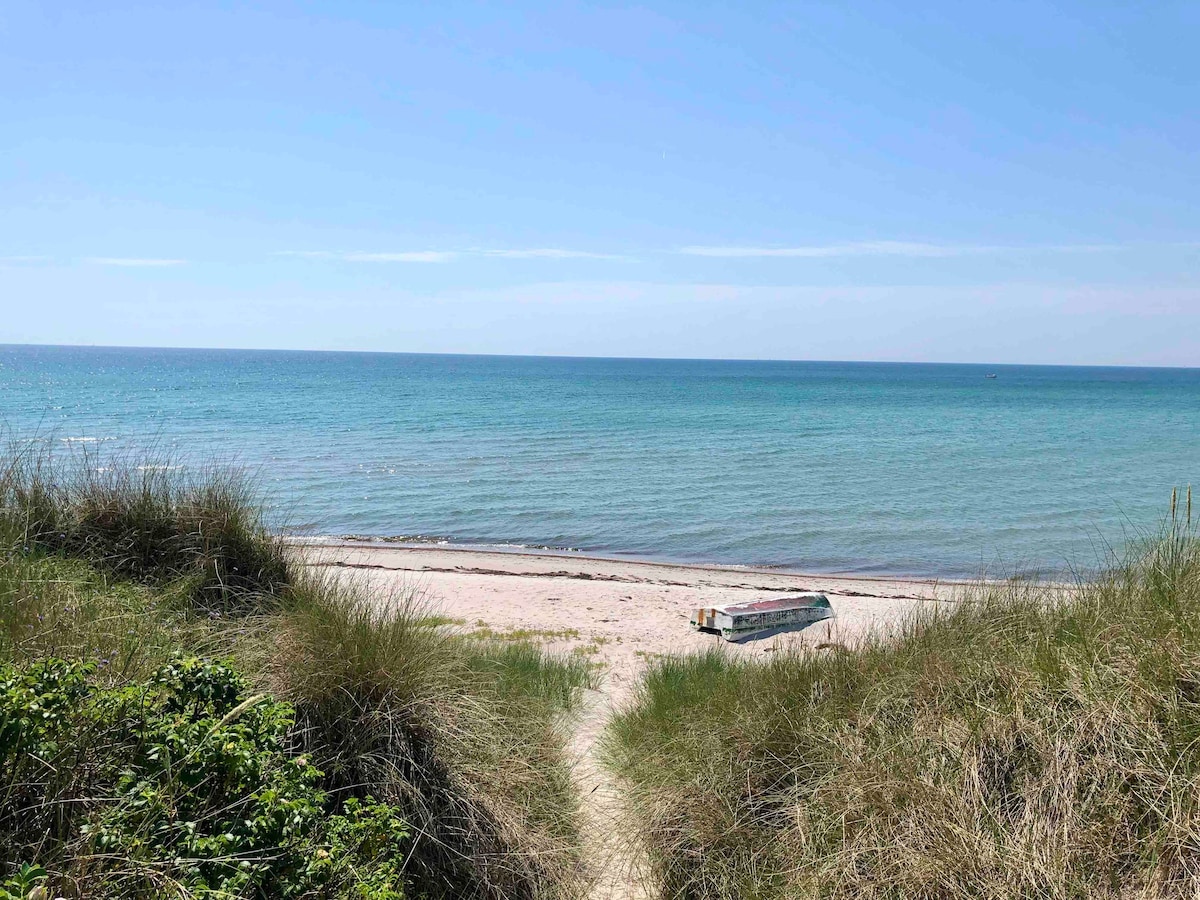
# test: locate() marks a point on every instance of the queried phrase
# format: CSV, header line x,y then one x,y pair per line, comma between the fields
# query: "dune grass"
x,y
467,735
149,520
1032,741
124,567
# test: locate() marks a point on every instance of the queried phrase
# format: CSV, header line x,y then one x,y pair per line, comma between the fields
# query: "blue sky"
x,y
994,182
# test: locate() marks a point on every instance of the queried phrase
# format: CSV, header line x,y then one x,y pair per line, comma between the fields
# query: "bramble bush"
x,y
185,782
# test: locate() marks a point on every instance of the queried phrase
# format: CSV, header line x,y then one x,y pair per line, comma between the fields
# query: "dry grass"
x,y
466,735
1033,742
146,519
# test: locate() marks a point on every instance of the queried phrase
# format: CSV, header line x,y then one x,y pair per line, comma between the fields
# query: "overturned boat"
x,y
758,618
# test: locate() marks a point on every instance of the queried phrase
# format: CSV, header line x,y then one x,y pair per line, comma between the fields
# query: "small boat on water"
x,y
757,618
990,375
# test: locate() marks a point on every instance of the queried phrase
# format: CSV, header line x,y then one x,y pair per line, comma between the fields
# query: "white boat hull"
x,y
743,621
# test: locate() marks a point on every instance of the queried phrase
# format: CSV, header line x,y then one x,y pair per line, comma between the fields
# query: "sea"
x,y
870,468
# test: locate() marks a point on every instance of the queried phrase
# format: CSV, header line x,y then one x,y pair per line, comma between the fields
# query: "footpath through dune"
x,y
619,615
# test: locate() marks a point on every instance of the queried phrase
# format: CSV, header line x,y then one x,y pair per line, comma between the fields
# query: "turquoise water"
x,y
896,468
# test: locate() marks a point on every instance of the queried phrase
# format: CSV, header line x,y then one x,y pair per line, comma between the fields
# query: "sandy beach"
x,y
618,612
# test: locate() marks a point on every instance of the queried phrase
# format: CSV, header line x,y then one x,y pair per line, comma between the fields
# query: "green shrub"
x,y
184,782
25,884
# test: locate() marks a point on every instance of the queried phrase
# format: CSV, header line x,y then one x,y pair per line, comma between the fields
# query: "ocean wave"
x,y
442,541
396,539
511,546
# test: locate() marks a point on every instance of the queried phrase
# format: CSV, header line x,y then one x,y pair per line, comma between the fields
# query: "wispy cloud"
x,y
547,253
441,256
133,262
912,249
405,256
822,251
409,256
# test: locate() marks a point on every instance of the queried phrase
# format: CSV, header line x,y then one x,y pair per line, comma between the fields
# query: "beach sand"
x,y
619,614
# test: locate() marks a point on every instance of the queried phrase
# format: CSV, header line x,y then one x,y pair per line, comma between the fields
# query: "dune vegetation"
x,y
185,711
1032,741
188,711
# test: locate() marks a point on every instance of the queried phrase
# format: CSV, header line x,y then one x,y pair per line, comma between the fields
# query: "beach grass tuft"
x,y
466,735
1033,740
147,519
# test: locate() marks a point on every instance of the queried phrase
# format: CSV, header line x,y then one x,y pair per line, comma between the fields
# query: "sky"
x,y
980,182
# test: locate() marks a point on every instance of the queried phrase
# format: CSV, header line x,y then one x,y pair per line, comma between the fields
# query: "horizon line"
x,y
747,359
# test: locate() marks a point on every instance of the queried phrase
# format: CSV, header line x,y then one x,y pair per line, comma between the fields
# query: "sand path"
x,y
618,872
